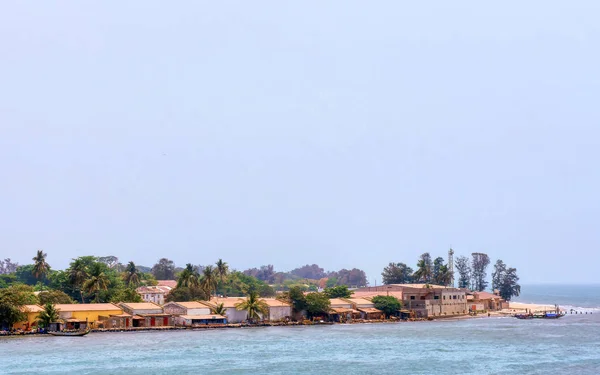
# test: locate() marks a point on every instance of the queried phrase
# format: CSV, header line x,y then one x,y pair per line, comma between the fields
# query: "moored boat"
x,y
70,333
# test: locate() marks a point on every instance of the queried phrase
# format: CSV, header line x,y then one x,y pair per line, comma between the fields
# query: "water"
x,y
472,346
580,297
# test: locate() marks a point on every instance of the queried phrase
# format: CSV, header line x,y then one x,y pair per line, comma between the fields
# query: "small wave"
x,y
568,308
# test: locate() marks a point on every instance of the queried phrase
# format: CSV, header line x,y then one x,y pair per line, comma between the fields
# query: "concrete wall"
x,y
235,316
198,311
279,312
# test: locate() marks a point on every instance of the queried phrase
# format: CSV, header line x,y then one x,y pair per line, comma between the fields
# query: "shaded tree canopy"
x,y
390,305
309,272
479,265
164,269
340,291
397,273
317,304
463,268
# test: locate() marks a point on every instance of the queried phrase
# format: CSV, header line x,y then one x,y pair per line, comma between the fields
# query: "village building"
x,y
278,310
31,313
485,301
146,314
154,294
192,313
342,310
82,316
423,300
366,308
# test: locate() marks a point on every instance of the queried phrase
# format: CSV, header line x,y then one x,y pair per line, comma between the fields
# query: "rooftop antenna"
x,y
451,266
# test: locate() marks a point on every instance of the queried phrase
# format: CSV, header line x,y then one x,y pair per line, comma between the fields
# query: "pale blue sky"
x,y
343,133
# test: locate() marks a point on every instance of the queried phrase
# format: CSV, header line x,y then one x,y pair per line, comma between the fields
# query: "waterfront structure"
x,y
341,310
485,301
278,310
423,300
80,316
146,314
366,308
31,313
192,313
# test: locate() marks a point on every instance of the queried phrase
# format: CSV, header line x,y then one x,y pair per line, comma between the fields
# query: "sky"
x,y
342,133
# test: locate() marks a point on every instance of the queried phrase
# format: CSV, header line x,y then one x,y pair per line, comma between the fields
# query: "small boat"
x,y
70,333
523,316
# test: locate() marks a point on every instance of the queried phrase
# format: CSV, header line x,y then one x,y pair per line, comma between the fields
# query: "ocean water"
x,y
570,345
579,297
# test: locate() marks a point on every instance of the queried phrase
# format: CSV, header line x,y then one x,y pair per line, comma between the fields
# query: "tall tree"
x,y
209,280
397,273
390,305
438,263
317,304
97,281
463,267
40,266
219,309
254,306
78,274
222,270
7,266
188,278
424,269
111,261
443,276
353,278
295,296
498,274
164,269
509,287
131,276
479,264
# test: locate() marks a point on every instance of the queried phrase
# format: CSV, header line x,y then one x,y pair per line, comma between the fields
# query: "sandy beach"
x,y
521,307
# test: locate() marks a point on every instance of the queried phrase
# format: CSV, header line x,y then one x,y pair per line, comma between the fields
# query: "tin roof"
x,y
196,317
369,310
87,307
191,305
141,305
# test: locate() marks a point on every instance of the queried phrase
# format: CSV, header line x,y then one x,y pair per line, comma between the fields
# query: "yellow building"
x,y
76,314
31,312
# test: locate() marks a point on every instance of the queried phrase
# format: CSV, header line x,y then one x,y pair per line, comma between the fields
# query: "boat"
x,y
70,333
523,316
545,315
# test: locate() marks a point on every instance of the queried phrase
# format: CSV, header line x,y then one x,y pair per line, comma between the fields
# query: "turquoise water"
x,y
477,346
570,345
581,297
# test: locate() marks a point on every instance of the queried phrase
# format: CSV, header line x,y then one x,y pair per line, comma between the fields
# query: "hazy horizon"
x,y
338,133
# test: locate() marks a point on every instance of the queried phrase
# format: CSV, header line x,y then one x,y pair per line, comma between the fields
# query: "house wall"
x,y
235,316
174,309
279,312
29,322
198,311
91,316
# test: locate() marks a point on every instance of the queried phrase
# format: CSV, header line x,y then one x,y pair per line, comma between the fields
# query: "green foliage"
x,y
208,281
254,306
7,280
237,284
131,275
25,275
390,305
47,316
11,299
463,267
54,297
331,282
479,265
125,295
397,273
40,266
188,278
185,294
219,309
509,286
317,304
97,280
295,296
424,270
340,291
164,269
498,274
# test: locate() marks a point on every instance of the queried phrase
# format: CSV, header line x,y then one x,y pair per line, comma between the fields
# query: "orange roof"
x,y
370,295
140,305
192,305
485,295
87,307
338,301
359,301
369,310
170,283
31,308
214,316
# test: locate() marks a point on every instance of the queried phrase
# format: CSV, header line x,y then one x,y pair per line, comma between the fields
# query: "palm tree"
x,y
98,281
219,309
78,273
254,306
209,280
131,275
423,272
188,277
222,269
48,315
40,267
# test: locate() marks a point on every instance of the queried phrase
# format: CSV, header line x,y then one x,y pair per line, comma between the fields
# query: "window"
x,y
444,297
436,297
454,297
412,297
